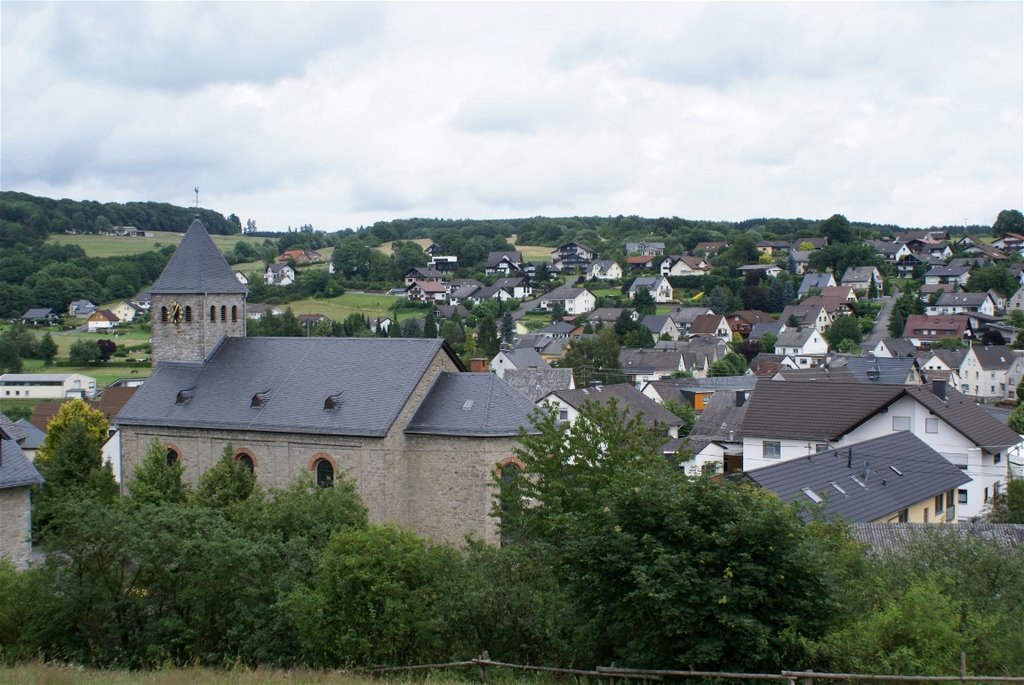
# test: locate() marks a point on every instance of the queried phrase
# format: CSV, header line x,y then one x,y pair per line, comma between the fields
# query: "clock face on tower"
x,y
176,313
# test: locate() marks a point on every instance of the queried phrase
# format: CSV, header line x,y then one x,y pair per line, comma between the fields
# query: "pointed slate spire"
x,y
197,266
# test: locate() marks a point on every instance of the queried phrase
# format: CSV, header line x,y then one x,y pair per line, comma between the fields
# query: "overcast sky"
x,y
343,114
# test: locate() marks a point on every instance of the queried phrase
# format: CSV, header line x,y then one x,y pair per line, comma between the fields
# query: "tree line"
x,y
610,552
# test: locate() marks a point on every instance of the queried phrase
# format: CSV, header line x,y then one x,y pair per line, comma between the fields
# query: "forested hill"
x,y
26,219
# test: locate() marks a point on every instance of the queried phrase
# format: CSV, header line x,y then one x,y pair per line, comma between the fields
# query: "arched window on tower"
x,y
324,474
172,456
163,314
213,313
188,314
223,312
234,312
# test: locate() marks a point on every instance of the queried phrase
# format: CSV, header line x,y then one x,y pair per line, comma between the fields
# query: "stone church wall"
x,y
15,526
193,340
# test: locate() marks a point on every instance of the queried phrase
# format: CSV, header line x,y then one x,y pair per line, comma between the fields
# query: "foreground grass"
x,y
50,674
55,674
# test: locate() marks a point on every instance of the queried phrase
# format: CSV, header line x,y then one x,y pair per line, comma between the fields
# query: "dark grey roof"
x,y
881,370
762,327
655,322
15,468
815,280
537,383
626,397
524,358
865,481
899,347
471,404
813,410
966,417
197,266
994,357
885,538
641,361
37,313
795,337
838,374
722,418
33,436
13,430
369,379
947,271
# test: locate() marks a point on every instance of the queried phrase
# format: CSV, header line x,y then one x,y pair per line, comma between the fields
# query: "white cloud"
x,y
341,114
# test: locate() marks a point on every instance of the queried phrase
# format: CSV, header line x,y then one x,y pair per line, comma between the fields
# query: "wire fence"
x,y
611,674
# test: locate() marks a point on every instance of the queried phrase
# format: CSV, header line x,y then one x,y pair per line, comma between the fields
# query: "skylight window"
x,y
896,470
468,405
857,481
812,495
836,486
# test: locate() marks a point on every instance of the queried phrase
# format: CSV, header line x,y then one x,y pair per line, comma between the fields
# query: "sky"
x,y
340,114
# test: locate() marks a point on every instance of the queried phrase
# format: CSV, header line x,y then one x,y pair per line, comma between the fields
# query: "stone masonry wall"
x,y
435,485
192,341
15,526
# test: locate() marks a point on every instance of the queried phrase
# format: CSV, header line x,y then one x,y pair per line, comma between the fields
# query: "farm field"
x,y
386,248
532,252
116,246
339,308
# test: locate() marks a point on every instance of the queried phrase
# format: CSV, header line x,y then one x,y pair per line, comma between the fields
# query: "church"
x,y
421,437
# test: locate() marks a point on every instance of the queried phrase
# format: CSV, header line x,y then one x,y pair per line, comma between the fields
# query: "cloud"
x,y
342,114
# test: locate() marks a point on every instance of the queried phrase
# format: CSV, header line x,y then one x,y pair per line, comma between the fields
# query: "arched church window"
x,y
234,312
324,474
213,313
244,457
223,312
172,456
163,314
188,314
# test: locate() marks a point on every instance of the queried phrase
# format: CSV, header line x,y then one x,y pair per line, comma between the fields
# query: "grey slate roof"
x,y
626,397
994,357
813,410
33,436
471,404
795,337
643,361
535,384
762,327
722,419
524,358
197,266
815,280
875,478
966,417
12,429
899,347
886,538
881,370
374,377
15,468
38,313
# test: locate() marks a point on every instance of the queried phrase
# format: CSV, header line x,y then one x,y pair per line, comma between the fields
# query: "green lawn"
x,y
114,246
56,674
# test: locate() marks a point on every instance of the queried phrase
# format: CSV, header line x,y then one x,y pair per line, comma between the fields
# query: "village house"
x,y
942,365
422,274
991,372
81,308
300,257
684,265
860,277
662,327
572,257
657,286
425,291
567,405
17,478
711,325
710,247
796,419
39,316
894,478
815,281
801,315
517,287
641,262
765,270
101,320
804,345
962,303
923,330
954,276
505,263
278,274
645,249
605,270
574,301
445,264
742,322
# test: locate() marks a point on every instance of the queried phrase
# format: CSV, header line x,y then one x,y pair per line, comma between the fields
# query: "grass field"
x,y
422,242
338,308
115,246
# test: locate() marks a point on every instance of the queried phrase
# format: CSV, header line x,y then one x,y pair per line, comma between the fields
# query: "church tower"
x,y
196,301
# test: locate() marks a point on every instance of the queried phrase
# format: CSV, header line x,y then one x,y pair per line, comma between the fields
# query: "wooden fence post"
x,y
484,656
809,679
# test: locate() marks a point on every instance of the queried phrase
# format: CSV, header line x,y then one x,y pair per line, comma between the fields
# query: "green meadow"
x,y
116,246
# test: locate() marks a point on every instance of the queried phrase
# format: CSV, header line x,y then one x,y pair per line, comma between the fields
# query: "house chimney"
x,y
741,398
939,389
477,364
